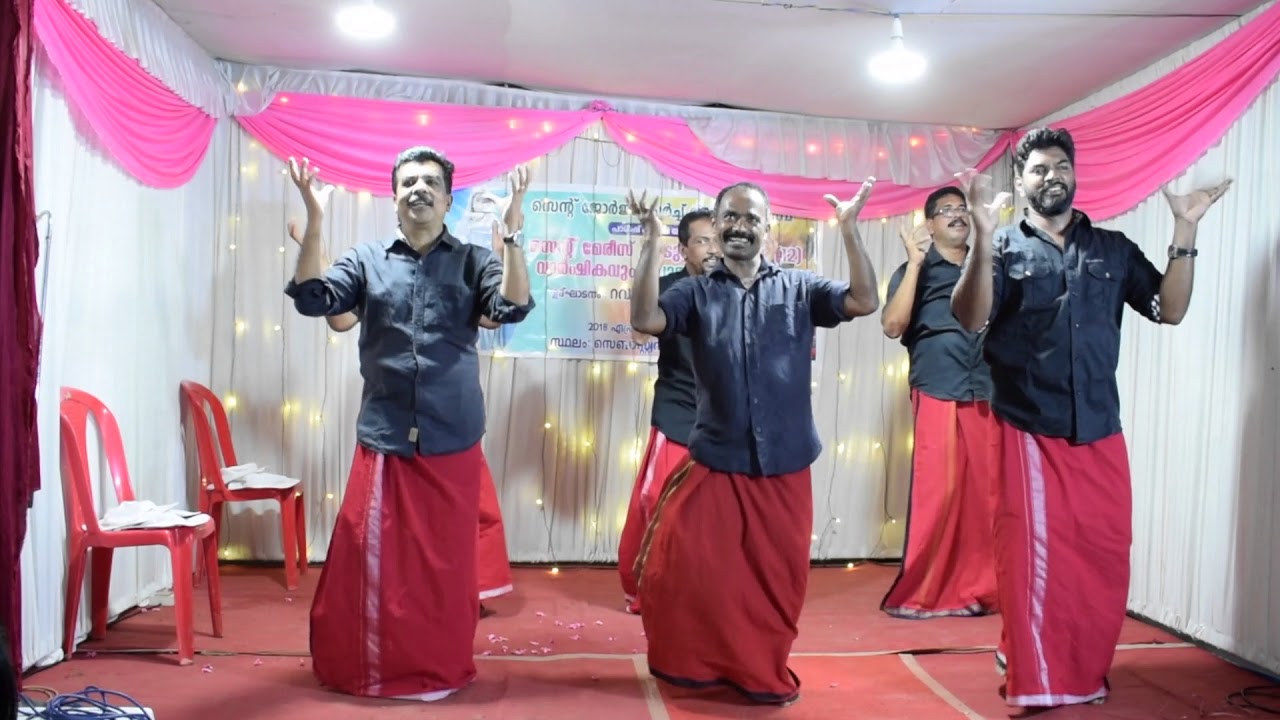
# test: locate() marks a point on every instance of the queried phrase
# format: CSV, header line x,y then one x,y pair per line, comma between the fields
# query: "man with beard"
x,y
674,404
395,612
725,564
493,566
948,564
1053,289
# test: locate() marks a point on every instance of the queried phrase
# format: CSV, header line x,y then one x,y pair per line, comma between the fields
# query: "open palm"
x,y
1192,206
847,210
984,207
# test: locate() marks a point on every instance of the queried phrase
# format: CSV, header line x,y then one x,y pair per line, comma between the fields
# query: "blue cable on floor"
x,y
91,702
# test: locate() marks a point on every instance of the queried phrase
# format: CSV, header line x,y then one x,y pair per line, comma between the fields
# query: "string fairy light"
x,y
576,441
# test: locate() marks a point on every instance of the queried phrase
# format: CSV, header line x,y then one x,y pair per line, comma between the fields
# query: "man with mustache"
x,y
674,404
1051,290
493,566
948,563
725,564
395,612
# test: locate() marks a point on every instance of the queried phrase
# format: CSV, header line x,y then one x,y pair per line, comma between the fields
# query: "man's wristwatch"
x,y
1176,252
513,239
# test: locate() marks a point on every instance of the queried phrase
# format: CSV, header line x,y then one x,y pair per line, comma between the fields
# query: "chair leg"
x,y
180,555
304,557
288,521
210,554
100,590
75,586
213,510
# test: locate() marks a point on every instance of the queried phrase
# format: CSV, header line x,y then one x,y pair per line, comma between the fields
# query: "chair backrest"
x,y
213,441
75,409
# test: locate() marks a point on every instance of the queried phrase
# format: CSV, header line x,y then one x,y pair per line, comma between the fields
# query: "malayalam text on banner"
x,y
581,245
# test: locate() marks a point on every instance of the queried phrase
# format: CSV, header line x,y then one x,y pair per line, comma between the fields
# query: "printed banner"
x,y
581,246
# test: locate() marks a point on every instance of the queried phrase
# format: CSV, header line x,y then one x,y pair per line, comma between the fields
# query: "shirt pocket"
x,y
1101,284
446,306
1035,281
787,331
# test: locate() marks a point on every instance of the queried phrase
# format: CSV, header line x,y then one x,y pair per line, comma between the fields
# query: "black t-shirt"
x,y
675,400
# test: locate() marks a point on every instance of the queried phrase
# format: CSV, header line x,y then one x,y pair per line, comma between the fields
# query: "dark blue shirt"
x,y
946,359
675,399
419,318
1054,337
752,354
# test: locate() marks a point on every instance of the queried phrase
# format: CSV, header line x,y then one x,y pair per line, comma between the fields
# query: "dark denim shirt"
x,y
675,398
419,318
1054,337
946,359
753,357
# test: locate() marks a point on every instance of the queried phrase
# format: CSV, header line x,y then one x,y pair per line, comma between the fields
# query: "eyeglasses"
x,y
951,211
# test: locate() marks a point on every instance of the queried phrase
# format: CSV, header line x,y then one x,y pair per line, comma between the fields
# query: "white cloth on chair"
x,y
138,514
253,475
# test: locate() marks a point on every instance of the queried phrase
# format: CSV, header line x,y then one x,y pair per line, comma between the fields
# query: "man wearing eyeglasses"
x,y
948,563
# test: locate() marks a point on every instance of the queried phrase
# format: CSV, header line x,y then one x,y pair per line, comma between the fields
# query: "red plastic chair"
x,y
83,531
199,403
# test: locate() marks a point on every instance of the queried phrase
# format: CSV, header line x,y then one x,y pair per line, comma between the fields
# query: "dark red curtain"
x,y
19,314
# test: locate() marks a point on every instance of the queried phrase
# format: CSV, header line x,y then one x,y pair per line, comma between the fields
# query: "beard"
x,y
1052,199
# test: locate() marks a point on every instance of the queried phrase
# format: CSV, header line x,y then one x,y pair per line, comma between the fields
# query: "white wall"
x,y
127,307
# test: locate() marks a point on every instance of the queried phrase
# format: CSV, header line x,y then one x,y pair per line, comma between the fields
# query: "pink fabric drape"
x,y
354,141
1128,148
676,152
156,136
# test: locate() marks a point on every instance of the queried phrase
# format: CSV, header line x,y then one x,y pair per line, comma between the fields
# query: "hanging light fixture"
x,y
365,21
897,65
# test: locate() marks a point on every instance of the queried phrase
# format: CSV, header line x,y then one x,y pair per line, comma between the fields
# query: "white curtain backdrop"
x,y
127,296
146,288
563,489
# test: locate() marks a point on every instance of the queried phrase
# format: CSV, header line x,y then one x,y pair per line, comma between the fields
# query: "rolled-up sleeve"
x,y
677,304
1142,280
826,301
492,304
335,292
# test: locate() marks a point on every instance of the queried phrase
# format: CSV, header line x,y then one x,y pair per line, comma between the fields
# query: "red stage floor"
x,y
561,647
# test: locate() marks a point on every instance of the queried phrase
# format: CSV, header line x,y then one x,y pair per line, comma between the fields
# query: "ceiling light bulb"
x,y
897,64
365,21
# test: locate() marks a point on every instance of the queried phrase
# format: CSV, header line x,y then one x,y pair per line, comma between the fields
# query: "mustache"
x,y
421,196
1054,184
958,222
739,235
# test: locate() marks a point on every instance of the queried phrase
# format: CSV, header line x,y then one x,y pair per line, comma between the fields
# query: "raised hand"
x,y
303,174
513,204
647,212
499,237
847,211
1192,206
916,241
322,198
983,208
